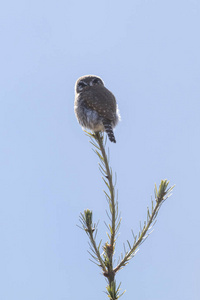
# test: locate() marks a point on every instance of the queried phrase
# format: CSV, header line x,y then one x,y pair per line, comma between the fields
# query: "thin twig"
x,y
102,265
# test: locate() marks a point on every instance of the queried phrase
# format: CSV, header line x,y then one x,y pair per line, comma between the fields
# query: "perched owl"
x,y
95,106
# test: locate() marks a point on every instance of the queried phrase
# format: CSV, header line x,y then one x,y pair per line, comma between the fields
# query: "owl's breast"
x,y
86,116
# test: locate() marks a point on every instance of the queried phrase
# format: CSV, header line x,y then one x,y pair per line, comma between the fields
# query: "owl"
x,y
95,106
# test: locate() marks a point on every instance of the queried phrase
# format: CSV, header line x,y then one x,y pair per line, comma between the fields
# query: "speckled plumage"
x,y
95,106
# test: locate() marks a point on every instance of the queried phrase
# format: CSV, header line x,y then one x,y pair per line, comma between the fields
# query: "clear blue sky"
x,y
147,52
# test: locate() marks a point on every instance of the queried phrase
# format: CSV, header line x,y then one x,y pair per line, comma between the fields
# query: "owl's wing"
x,y
102,101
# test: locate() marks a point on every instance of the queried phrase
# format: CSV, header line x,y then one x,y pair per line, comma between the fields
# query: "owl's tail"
x,y
109,130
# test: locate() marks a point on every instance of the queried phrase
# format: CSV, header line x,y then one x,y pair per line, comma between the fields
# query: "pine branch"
x,y
160,196
97,141
109,183
105,261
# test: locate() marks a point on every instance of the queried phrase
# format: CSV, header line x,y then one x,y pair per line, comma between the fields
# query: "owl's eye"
x,y
81,85
96,81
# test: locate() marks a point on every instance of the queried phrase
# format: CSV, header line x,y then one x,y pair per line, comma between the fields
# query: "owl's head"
x,y
87,81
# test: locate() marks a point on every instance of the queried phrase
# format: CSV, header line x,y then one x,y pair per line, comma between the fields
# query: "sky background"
x,y
148,54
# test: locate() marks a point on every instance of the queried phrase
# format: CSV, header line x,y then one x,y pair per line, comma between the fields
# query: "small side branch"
x,y
160,196
86,221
